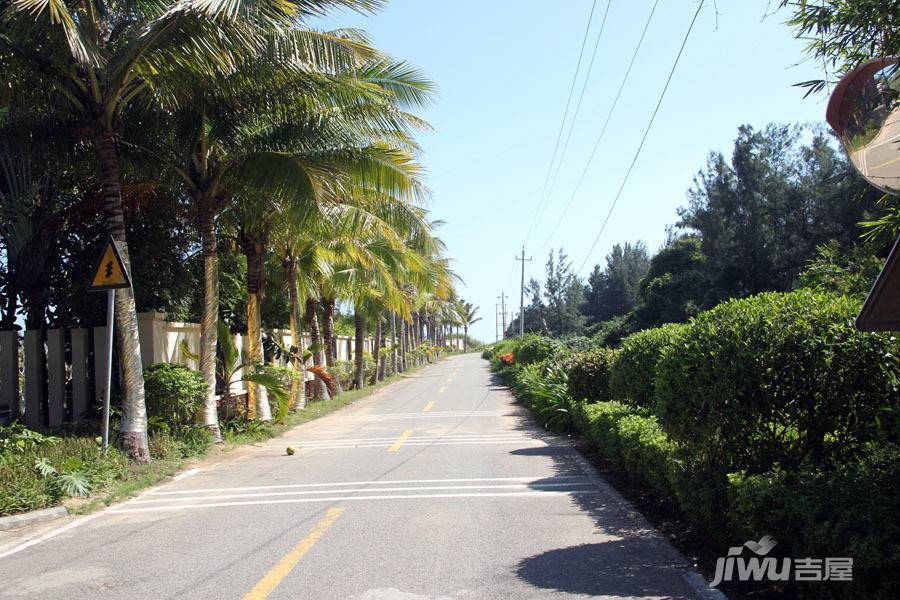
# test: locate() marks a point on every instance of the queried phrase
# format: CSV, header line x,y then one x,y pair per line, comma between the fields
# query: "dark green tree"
x,y
613,290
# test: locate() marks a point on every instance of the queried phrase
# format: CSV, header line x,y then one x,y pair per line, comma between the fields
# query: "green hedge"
x,y
765,415
777,379
589,375
531,349
632,378
634,442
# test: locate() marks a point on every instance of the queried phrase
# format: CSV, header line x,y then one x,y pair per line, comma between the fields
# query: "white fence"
x,y
61,383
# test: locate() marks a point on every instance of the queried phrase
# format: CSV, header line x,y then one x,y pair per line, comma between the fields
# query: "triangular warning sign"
x,y
881,310
110,273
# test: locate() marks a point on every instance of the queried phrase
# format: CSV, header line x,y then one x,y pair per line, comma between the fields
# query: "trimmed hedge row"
x,y
765,415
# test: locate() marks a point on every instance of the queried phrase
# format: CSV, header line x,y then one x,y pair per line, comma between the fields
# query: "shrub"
x,y
633,442
589,375
837,509
535,348
777,379
173,393
633,373
542,387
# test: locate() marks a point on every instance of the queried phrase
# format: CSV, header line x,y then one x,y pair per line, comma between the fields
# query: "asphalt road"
x,y
438,486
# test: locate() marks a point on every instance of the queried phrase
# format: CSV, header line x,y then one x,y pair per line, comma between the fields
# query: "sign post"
x,y
109,276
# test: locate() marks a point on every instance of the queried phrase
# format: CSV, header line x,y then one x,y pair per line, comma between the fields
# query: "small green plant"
x,y
18,438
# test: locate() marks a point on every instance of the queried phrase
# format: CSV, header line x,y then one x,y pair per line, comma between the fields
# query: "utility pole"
x,y
522,293
502,298
496,322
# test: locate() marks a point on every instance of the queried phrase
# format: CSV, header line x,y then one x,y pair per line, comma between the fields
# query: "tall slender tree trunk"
x,y
359,363
258,398
315,339
328,340
402,345
133,429
393,368
376,348
209,318
466,338
298,381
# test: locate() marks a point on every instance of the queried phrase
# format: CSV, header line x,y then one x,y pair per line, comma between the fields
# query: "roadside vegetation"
x,y
765,415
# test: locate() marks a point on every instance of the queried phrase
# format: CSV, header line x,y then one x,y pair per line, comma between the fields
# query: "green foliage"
x,y
542,387
173,393
633,441
18,438
849,273
589,375
43,475
677,284
778,379
848,508
534,348
613,291
633,375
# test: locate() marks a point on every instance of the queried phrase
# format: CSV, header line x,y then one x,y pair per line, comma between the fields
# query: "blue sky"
x,y
504,69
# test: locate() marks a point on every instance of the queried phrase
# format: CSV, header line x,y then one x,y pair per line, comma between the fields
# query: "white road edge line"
x,y
52,534
372,482
186,474
591,490
518,486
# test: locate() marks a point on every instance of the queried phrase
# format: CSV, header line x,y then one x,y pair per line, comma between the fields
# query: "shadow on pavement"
x,y
630,559
612,568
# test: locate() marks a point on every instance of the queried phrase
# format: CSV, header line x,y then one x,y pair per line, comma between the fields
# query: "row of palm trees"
x,y
296,143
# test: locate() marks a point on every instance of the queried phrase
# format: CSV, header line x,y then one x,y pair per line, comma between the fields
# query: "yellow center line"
x,y
400,440
271,580
428,407
442,390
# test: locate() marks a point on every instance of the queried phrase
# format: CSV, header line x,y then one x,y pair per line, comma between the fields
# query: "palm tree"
x,y
467,312
91,61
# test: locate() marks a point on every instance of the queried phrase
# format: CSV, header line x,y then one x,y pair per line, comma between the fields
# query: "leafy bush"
x,y
633,441
589,375
535,348
633,375
838,509
173,393
778,379
542,387
18,438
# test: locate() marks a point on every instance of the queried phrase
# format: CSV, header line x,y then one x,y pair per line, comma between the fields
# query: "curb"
x,y
29,518
692,577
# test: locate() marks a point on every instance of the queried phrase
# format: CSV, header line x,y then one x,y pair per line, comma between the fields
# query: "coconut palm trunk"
x,y
402,346
315,339
393,366
298,381
376,349
466,338
359,363
328,339
133,429
209,317
258,398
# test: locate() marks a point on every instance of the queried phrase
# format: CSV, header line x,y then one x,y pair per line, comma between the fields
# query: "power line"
x,y
644,138
603,129
584,85
562,125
